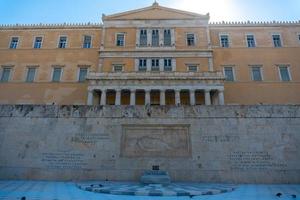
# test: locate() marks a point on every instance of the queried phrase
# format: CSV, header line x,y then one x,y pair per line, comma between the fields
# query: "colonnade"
x,y
192,96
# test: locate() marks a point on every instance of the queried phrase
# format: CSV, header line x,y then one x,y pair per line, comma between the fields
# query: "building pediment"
x,y
155,12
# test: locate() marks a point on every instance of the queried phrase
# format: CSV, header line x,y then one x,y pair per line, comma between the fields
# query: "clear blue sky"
x,y
59,11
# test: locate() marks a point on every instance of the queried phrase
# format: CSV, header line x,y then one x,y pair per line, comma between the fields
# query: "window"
x,y
120,39
82,74
277,40
284,73
167,37
143,38
155,65
190,39
118,68
256,73
155,38
62,42
6,73
142,64
14,42
38,42
298,37
168,64
56,74
192,68
30,74
224,40
87,42
229,74
250,41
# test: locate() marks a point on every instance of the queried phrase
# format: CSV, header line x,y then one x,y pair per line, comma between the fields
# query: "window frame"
x,y
228,40
233,73
298,37
158,37
115,65
140,38
281,41
164,66
192,65
260,70
61,73
170,33
288,70
139,66
66,44
116,39
18,43
254,40
35,73
186,39
83,41
87,67
10,67
34,40
152,66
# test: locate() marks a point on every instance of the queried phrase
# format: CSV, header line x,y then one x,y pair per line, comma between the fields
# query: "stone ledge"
x,y
63,111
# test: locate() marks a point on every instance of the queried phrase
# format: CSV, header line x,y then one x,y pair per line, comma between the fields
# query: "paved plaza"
x,y
44,190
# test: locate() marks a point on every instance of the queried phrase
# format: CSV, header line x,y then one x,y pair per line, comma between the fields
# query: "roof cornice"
x,y
254,23
52,26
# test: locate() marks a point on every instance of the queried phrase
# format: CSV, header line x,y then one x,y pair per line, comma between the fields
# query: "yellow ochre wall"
x,y
271,90
242,91
43,91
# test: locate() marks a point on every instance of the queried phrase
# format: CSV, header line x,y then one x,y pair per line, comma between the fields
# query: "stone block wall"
x,y
229,144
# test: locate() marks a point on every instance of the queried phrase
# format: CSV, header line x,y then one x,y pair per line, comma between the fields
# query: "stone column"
x,y
90,97
207,98
103,98
149,37
210,64
162,97
147,97
177,97
118,97
221,97
192,98
161,37
132,97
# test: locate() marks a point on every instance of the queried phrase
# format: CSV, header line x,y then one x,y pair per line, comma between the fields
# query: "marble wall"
x,y
237,144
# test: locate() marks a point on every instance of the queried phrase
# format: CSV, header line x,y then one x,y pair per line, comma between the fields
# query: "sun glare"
x,y
219,9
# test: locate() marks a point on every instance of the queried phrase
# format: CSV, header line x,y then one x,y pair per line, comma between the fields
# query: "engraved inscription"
x,y
89,139
219,138
258,160
63,160
155,140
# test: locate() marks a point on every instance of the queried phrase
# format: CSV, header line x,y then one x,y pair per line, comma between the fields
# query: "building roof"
x,y
155,12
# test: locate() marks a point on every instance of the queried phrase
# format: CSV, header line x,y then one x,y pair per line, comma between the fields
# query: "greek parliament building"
x,y
154,55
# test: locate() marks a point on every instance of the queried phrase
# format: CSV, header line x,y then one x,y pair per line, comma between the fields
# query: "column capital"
x,y
118,90
207,90
220,90
147,90
132,90
177,90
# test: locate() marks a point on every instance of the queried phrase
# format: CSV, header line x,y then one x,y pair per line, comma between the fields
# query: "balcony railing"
x,y
216,75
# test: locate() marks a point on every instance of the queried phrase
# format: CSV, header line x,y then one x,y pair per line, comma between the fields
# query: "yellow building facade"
x,y
154,55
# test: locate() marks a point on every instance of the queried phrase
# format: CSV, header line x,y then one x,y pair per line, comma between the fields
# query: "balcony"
x,y
216,75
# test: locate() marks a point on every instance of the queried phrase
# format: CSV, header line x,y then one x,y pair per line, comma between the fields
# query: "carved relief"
x,y
155,140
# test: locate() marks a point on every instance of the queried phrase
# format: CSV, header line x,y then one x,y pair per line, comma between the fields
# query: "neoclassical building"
x,y
154,55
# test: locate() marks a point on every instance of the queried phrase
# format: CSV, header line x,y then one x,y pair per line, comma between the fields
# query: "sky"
x,y
83,11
